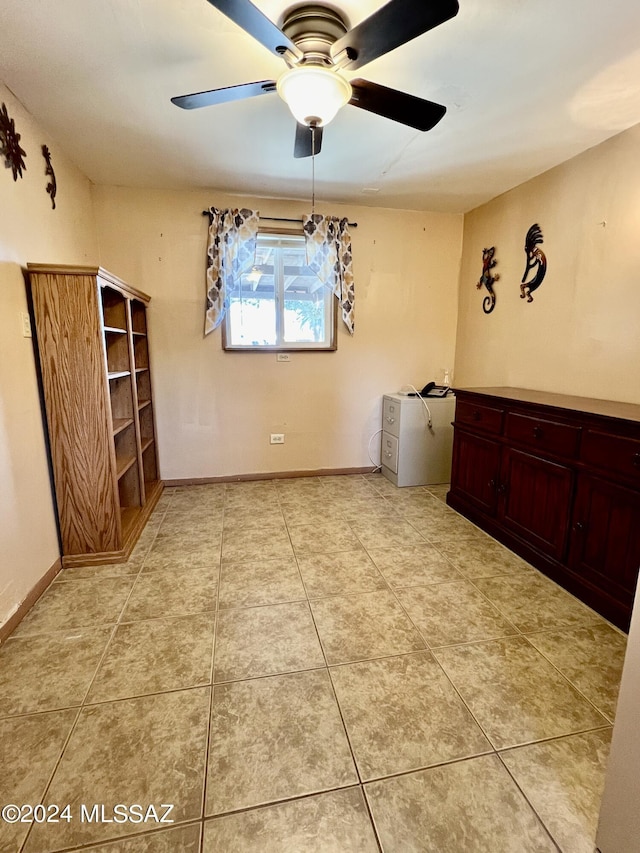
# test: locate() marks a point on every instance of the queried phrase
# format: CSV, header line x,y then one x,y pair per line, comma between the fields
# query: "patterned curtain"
x,y
328,245
231,249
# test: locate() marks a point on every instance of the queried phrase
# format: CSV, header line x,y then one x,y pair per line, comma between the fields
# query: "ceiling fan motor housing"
x,y
313,29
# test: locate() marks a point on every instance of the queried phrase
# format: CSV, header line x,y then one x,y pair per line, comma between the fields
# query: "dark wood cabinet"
x,y
534,500
605,540
556,479
475,469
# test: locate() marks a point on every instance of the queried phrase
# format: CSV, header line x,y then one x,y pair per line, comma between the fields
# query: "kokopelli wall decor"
x,y
536,260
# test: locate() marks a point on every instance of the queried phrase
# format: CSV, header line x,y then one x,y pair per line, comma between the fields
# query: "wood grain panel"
x,y
78,410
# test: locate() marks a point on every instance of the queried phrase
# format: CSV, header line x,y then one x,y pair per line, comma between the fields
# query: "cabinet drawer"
x,y
548,436
612,453
484,417
389,455
391,416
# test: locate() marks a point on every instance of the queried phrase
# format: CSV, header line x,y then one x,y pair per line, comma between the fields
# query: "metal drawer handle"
x,y
538,432
390,420
635,460
578,526
387,453
491,484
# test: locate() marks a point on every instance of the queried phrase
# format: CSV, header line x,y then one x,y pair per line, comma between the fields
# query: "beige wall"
x,y
30,231
215,410
580,334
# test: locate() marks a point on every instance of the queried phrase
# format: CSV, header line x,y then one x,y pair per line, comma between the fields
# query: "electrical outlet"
x,y
25,321
277,438
283,356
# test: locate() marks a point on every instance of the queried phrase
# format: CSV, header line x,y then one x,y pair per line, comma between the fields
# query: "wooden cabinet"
x,y
91,331
557,479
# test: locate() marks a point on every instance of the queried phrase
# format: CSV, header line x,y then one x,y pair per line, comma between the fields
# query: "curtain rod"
x,y
283,219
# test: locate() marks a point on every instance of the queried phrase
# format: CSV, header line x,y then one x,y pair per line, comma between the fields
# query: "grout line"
x,y
211,692
530,804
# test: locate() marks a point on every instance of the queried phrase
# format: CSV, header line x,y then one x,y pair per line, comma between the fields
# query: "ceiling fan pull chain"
x,y
313,169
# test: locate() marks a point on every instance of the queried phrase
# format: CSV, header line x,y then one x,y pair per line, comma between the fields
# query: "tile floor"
x,y
322,664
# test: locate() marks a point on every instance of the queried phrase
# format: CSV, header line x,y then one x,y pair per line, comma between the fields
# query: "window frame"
x,y
293,236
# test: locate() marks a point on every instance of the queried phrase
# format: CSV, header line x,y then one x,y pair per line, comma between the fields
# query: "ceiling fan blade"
x,y
396,23
398,106
306,144
222,96
252,21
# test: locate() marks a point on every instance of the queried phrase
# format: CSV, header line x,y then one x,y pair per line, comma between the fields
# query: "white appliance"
x,y
412,453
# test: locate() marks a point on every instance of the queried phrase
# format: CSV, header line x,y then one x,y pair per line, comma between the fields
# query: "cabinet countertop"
x,y
588,405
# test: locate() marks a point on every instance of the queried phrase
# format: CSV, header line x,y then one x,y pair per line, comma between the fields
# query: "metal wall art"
x,y
536,260
10,144
51,186
487,279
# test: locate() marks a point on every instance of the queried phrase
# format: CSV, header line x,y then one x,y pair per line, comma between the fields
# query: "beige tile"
x,y
415,503
371,504
515,694
29,749
273,739
483,559
245,518
308,511
286,484
466,807
260,582
345,484
177,524
245,544
337,822
181,839
413,565
177,551
563,780
368,625
84,604
448,613
169,594
439,492
197,498
149,750
402,713
46,672
207,558
111,570
344,572
448,529
265,640
386,533
323,537
591,658
378,481
533,602
154,656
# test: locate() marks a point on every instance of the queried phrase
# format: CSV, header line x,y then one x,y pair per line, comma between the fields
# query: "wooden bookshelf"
x,y
91,330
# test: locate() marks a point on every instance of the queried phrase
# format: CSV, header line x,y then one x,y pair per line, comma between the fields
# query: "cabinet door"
x,y
475,467
605,545
535,500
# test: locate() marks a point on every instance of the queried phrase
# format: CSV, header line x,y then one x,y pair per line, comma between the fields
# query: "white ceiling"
x,y
527,85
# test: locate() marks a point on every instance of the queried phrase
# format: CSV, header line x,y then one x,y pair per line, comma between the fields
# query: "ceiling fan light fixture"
x,y
313,94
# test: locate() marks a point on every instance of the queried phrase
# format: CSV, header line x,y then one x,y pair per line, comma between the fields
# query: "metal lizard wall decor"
x,y
52,187
536,259
10,144
487,279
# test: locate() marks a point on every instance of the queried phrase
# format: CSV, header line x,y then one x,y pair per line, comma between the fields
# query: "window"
x,y
280,304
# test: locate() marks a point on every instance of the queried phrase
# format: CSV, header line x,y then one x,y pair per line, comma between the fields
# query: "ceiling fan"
x,y
316,45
